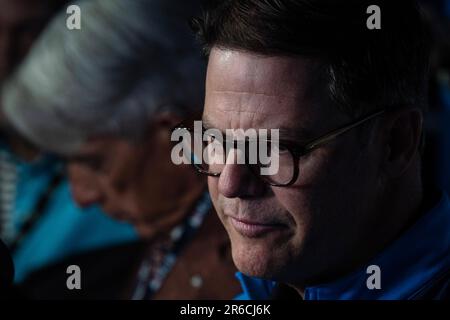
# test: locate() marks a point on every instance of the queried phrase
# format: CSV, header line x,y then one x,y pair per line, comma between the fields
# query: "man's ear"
x,y
403,131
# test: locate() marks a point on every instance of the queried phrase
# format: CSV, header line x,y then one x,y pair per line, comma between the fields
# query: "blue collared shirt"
x,y
408,266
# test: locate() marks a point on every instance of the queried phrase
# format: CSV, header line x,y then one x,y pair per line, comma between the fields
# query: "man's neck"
x,y
398,213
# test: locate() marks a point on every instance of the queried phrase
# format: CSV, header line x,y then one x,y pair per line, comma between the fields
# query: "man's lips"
x,y
254,229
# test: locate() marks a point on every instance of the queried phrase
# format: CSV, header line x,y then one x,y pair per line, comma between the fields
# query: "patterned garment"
x,y
163,253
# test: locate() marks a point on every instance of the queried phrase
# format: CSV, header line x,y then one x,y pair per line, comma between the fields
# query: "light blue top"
x,y
64,228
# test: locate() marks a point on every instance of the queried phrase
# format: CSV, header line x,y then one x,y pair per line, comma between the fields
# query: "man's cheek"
x,y
291,199
299,204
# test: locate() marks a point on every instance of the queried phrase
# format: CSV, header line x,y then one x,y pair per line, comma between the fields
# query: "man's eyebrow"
x,y
301,134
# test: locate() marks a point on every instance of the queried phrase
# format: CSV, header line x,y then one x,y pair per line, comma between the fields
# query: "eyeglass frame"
x,y
298,151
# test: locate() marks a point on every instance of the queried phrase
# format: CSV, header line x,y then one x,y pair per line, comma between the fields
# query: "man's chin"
x,y
255,260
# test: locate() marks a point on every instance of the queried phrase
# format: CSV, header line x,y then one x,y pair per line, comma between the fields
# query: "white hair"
x,y
130,60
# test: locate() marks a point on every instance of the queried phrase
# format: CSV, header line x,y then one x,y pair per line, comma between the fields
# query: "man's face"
x,y
295,233
20,23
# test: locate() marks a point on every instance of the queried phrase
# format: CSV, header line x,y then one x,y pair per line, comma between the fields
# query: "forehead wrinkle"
x,y
254,93
246,101
296,75
210,124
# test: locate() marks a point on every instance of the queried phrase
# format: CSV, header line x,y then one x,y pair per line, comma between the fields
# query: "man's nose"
x,y
237,181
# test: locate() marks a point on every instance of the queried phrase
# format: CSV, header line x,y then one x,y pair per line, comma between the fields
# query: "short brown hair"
x,y
365,69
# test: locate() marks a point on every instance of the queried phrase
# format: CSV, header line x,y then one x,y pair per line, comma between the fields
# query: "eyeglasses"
x,y
288,154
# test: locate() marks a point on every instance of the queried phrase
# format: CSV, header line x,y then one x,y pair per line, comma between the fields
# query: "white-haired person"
x,y
39,221
106,98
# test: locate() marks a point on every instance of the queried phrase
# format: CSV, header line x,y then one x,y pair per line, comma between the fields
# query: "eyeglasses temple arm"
x,y
334,134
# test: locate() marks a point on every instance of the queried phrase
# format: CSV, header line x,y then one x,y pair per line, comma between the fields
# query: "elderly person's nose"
x,y
86,195
84,186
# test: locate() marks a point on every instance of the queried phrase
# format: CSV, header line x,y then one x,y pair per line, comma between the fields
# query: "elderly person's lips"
x,y
254,229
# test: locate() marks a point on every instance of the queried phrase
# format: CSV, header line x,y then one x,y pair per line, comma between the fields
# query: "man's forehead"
x,y
246,90
239,71
14,12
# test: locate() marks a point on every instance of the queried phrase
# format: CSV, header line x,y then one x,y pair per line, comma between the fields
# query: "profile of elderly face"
x,y
135,182
329,217
115,91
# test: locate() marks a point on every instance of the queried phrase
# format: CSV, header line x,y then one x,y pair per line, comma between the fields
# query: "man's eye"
x,y
280,149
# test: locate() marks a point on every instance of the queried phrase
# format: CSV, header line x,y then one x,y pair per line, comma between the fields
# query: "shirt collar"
x,y
406,266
